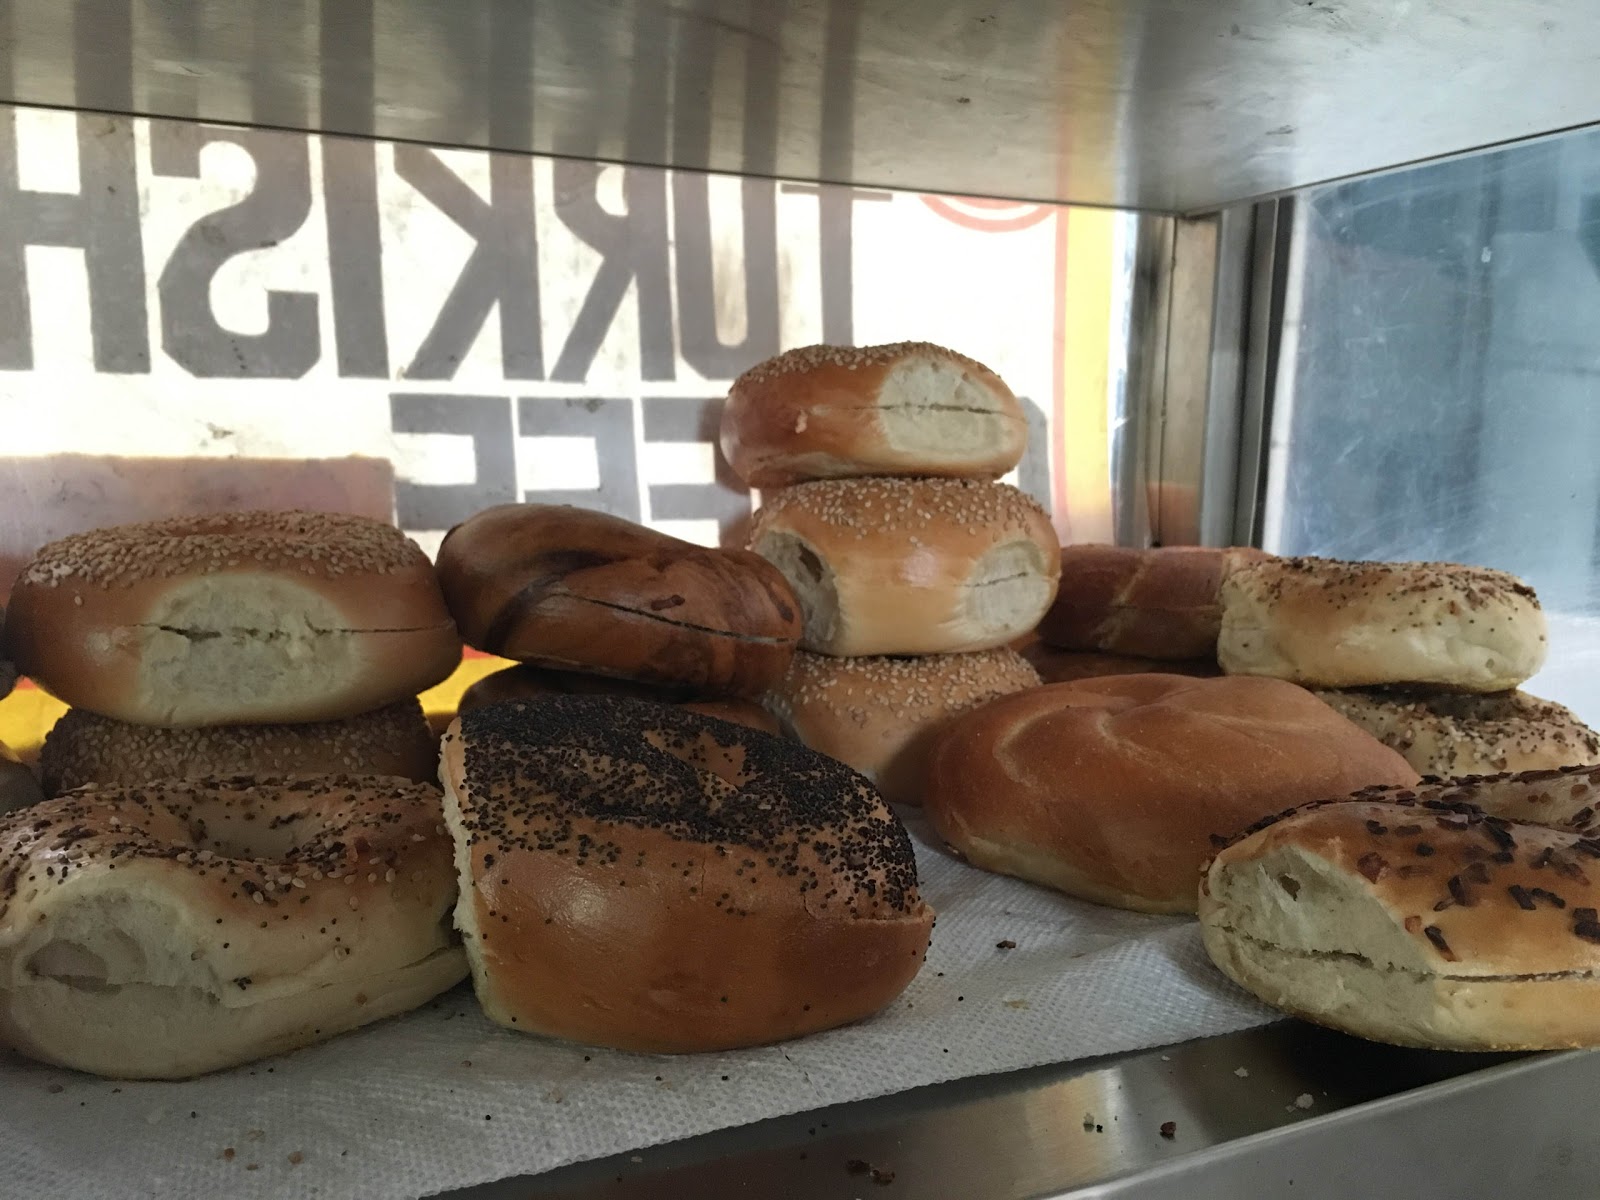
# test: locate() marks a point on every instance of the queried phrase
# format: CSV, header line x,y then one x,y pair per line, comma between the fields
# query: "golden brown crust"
x,y
881,716
1416,920
1328,623
531,683
583,591
636,877
237,618
924,566
1451,734
829,412
1162,603
84,748
1112,789
239,896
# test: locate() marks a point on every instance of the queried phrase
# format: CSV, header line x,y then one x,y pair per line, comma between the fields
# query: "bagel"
x,y
84,748
583,591
834,412
1163,603
910,566
636,876
1449,734
1327,623
1112,789
1410,916
882,715
236,618
162,931
533,683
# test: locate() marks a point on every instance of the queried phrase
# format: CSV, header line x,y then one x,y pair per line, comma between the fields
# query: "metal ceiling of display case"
x,y
1176,105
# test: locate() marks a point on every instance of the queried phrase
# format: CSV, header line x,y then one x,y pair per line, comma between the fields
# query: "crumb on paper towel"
x,y
1169,1130
296,1159
1016,1004
1088,1122
1005,944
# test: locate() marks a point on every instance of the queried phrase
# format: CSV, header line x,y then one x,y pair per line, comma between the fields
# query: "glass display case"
x,y
1316,278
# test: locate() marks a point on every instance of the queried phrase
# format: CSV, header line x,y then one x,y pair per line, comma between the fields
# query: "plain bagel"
x,y
1327,623
533,683
639,877
85,748
164,931
233,618
833,412
1417,919
1454,733
1162,603
1112,789
910,566
584,591
882,715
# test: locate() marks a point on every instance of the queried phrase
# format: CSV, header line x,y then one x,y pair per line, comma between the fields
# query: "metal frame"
x,y
1190,449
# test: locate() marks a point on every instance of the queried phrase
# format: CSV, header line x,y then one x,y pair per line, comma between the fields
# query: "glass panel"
x,y
1443,400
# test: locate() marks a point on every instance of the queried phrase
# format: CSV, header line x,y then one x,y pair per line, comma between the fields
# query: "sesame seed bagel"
x,y
881,715
1415,919
233,618
1327,623
534,683
1449,734
584,591
159,932
84,748
639,877
836,412
910,566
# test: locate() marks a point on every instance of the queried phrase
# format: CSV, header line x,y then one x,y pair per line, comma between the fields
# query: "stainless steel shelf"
x,y
1370,1121
1158,104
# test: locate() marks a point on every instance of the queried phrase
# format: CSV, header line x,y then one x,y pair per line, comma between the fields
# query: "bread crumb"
x,y
296,1159
1242,1072
1304,1100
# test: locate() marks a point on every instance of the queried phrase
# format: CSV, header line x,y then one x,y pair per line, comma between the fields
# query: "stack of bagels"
x,y
624,872
263,643
914,569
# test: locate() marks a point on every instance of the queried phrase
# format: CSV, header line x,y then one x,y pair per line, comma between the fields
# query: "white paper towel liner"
x,y
441,1098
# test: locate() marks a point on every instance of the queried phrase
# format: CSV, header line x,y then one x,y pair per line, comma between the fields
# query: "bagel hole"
x,y
1009,591
236,835
937,408
75,965
811,579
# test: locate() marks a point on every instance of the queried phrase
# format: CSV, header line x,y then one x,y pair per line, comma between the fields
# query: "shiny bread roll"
x,y
910,566
83,748
583,591
1112,789
236,618
838,412
1416,921
1451,734
533,683
1327,623
1162,603
639,877
883,715
163,931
